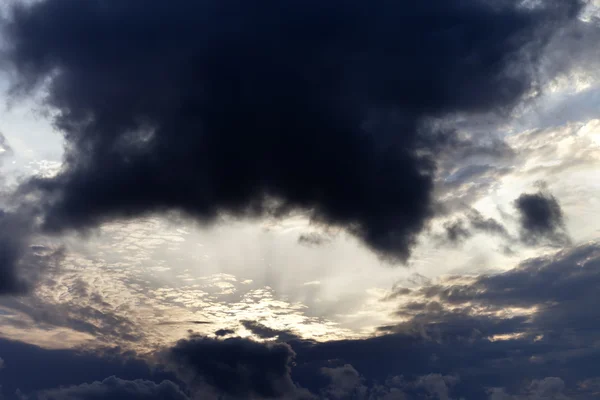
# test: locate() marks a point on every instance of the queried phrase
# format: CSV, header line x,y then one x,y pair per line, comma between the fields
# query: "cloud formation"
x,y
225,108
541,219
459,230
235,367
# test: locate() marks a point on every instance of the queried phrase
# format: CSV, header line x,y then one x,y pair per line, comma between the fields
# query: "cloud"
x,y
346,383
5,149
22,263
528,333
27,368
456,232
320,109
511,330
14,233
541,219
264,332
459,230
224,332
549,388
313,239
235,367
117,389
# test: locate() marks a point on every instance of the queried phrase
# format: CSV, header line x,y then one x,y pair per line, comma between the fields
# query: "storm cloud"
x,y
212,107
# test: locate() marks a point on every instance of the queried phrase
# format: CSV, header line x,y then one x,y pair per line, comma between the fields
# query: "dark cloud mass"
x,y
541,219
249,109
236,367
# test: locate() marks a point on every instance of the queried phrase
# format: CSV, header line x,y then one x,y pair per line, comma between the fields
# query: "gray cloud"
x,y
463,228
264,332
224,332
541,219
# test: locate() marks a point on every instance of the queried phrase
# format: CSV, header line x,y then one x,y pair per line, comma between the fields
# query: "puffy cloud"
x,y
235,367
549,388
346,383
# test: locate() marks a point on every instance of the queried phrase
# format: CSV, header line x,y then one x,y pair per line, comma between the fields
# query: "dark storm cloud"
x,y
250,109
541,219
235,367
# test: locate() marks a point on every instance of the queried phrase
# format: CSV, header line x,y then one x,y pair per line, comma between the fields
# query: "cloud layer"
x,y
528,333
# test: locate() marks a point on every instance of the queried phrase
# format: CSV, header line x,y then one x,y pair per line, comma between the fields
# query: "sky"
x,y
289,199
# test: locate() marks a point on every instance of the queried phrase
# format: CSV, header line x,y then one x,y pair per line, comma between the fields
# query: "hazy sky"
x,y
295,200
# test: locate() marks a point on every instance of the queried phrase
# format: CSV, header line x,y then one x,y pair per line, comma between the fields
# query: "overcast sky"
x,y
300,200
